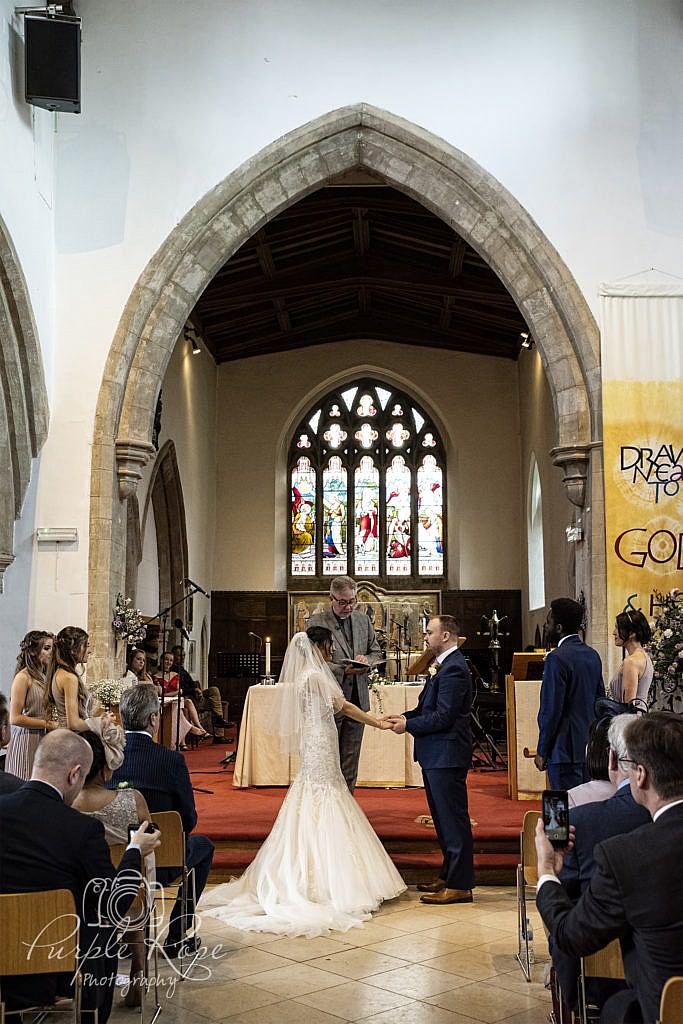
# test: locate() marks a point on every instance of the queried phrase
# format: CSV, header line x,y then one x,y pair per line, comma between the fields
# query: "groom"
x,y
440,727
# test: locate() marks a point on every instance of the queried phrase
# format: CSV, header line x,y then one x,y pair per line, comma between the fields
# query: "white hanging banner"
x,y
642,402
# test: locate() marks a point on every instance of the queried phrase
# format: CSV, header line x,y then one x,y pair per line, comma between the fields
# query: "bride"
x,y
322,867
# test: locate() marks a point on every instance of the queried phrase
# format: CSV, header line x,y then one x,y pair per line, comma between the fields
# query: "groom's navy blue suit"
x,y
440,727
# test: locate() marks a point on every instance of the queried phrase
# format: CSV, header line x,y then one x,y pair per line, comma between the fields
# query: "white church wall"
x,y
572,107
188,419
473,398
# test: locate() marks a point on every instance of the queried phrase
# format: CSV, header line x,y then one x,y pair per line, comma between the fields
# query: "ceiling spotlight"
x,y
190,336
527,340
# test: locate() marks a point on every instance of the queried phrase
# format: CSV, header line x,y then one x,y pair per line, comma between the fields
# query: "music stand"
x,y
484,749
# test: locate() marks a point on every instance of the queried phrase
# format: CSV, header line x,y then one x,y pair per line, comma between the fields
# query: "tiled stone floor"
x,y
412,964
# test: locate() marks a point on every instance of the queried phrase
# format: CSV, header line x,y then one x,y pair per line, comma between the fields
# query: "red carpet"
x,y
238,820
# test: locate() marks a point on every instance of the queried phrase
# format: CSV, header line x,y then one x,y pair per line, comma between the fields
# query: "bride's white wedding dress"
x,y
322,867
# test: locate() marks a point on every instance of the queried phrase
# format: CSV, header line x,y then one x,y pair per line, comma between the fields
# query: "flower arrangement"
x,y
108,691
375,683
666,651
127,622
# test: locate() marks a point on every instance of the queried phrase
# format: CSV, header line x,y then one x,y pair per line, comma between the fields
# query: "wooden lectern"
x,y
523,699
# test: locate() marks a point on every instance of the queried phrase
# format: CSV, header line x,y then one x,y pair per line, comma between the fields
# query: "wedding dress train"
x,y
322,867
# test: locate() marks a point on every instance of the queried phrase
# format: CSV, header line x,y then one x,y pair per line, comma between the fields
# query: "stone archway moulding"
x,y
440,177
24,412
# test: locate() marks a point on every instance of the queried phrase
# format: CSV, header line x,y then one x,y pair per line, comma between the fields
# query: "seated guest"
x,y
594,822
635,893
46,844
204,700
136,669
599,787
116,810
169,681
162,777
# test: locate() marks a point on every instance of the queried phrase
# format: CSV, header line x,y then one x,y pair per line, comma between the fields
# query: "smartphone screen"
x,y
132,828
555,811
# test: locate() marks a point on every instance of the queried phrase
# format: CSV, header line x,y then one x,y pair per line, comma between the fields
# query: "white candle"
x,y
267,655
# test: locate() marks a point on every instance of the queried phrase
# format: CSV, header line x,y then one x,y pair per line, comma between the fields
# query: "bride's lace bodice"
x,y
318,743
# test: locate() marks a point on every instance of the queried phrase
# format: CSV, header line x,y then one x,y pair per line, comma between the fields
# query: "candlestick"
x,y
267,655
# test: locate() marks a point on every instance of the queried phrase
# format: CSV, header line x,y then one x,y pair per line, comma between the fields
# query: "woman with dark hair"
x,y
116,809
597,766
322,867
632,681
68,692
169,681
28,719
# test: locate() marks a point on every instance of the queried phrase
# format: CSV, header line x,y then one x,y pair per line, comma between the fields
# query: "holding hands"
x,y
396,723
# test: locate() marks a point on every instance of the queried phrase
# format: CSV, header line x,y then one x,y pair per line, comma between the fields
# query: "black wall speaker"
x,y
53,62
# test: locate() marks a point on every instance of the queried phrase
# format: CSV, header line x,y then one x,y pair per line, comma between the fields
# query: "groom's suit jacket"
x,y
440,724
364,642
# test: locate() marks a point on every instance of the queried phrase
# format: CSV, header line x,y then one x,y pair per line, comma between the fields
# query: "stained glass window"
x,y
430,518
366,489
303,517
334,518
367,481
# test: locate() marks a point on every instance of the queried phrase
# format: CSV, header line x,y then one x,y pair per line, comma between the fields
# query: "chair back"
x,y
171,852
38,932
527,841
606,963
671,1005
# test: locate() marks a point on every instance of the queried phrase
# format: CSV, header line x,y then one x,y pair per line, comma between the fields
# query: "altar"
x,y
386,760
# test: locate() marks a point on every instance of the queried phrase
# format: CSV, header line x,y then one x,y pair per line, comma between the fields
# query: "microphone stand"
x,y
162,615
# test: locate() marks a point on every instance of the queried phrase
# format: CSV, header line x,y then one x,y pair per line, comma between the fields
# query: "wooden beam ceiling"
x,y
357,262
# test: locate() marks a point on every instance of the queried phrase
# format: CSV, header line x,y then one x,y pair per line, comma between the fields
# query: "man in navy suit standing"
x,y
440,727
572,682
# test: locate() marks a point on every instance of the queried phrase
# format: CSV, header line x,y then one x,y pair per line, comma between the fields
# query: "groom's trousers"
x,y
446,791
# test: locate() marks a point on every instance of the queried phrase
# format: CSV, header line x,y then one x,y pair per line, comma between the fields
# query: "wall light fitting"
x,y
57,535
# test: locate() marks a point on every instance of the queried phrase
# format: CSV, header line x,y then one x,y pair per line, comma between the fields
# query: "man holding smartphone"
x,y
635,893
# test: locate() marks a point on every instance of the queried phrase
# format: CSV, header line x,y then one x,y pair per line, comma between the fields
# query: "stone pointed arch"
x,y
24,410
444,180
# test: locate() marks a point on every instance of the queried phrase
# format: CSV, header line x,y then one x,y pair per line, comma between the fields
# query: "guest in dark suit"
x,y
162,777
9,783
572,681
48,845
354,638
593,823
636,891
440,726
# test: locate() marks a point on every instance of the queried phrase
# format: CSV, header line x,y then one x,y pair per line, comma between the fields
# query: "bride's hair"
x,y
319,635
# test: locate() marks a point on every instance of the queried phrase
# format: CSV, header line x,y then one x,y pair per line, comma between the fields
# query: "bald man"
x,y
46,844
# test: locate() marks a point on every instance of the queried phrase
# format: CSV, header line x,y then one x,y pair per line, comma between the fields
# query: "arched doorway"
x,y
444,180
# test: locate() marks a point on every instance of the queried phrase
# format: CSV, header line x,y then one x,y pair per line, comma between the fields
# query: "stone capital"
x,y
131,459
574,460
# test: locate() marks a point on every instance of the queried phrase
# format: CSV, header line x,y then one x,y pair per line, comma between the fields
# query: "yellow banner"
x,y
643,450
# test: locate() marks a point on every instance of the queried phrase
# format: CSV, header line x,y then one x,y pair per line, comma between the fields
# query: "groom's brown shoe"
x,y
436,886
444,896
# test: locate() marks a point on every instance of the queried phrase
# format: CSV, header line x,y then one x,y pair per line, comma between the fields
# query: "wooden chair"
x,y
171,854
671,1004
527,876
605,963
34,926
